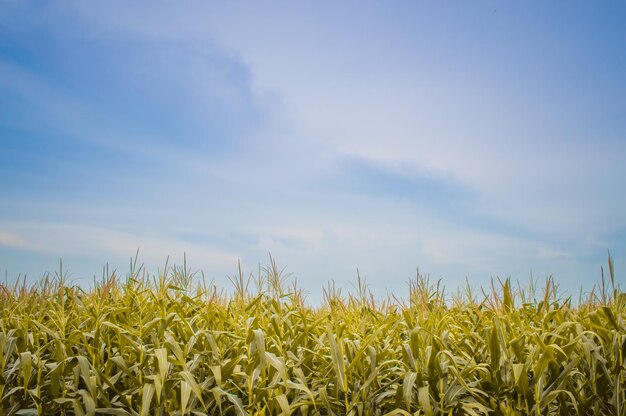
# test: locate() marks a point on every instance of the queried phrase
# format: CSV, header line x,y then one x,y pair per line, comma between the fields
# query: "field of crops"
x,y
143,345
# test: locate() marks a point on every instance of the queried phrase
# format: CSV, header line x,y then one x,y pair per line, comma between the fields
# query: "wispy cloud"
x,y
11,240
376,137
106,245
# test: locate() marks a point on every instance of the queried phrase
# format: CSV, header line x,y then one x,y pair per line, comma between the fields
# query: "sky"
x,y
471,140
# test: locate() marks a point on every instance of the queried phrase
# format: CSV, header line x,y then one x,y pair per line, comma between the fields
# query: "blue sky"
x,y
469,139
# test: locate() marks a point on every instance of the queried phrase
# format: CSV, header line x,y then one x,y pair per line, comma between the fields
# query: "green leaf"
x,y
146,399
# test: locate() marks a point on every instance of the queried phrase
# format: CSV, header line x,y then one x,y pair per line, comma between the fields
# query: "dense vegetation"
x,y
170,345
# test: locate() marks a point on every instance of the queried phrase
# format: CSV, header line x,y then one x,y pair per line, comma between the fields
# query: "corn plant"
x,y
171,344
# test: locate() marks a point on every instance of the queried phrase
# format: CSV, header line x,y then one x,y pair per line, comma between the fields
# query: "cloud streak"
x,y
379,138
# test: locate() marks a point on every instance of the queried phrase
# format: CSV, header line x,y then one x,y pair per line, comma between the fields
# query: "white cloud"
x,y
116,246
14,241
338,91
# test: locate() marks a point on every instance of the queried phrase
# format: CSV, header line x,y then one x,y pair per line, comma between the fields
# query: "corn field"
x,y
169,344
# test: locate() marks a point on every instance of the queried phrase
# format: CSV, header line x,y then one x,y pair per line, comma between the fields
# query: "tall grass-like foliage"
x,y
171,345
